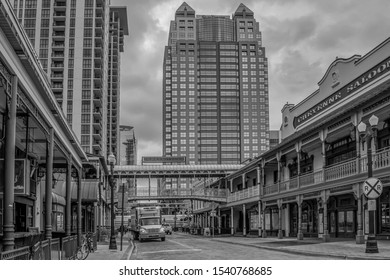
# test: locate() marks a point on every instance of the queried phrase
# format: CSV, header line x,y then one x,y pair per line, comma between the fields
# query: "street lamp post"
x,y
368,134
111,161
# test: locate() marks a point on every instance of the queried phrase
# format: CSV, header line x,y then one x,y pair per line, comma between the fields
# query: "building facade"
x,y
215,88
78,45
311,183
38,149
128,145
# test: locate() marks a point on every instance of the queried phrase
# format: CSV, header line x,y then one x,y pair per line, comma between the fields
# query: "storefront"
x,y
384,212
342,212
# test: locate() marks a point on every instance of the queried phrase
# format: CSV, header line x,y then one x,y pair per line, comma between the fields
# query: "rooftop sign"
x,y
372,74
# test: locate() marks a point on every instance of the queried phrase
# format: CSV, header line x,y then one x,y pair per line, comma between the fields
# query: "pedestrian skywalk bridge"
x,y
216,195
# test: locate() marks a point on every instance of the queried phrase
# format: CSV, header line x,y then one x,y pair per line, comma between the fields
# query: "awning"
x,y
89,191
58,199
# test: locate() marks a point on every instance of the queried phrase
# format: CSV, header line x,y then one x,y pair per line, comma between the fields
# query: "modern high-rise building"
x,y
128,145
78,44
215,88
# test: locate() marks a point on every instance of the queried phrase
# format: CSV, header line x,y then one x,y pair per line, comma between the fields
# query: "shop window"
x,y
384,135
385,212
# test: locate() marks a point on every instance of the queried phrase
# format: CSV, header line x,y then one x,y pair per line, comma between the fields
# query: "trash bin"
x,y
206,232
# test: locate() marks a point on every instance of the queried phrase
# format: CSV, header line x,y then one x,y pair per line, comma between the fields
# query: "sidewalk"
x,y
104,253
339,248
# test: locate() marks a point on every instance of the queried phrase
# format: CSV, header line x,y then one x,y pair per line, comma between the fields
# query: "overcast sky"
x,y
301,38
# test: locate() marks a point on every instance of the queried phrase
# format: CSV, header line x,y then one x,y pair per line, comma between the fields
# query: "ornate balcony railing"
x,y
380,159
243,194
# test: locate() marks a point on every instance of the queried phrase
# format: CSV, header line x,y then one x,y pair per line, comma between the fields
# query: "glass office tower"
x,y
215,88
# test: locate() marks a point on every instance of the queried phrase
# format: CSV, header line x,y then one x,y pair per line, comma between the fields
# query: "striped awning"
x,y
89,191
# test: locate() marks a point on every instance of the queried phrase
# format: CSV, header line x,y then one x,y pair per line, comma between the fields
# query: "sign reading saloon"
x,y
374,73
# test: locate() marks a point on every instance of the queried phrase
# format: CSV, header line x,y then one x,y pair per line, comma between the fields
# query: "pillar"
x,y
231,221
259,217
280,209
68,204
326,236
300,233
79,208
219,221
49,184
359,233
244,220
9,171
264,233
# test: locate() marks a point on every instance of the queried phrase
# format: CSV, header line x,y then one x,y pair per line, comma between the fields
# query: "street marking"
x,y
169,251
184,245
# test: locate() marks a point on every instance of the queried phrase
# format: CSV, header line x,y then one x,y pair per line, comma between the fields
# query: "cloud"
x,y
302,38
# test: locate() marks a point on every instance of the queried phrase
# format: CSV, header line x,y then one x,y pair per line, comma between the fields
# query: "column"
x,y
326,236
300,233
259,217
9,171
219,220
79,208
280,209
231,221
243,181
49,184
68,206
278,157
264,234
359,233
244,220
323,135
149,185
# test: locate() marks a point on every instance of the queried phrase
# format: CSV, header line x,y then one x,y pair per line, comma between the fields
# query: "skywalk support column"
x,y
231,220
49,184
9,171
244,219
68,206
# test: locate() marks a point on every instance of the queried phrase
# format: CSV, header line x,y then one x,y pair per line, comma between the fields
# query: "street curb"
x,y
306,253
129,251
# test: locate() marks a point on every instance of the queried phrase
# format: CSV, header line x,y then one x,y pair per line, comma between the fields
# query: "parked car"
x,y
167,228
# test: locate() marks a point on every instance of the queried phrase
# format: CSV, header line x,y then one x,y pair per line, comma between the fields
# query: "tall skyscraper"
x,y
128,145
215,88
78,44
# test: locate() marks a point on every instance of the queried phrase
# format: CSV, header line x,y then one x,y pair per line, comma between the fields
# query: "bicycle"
x,y
86,247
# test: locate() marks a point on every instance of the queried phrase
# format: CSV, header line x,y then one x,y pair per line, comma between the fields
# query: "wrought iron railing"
x,y
380,159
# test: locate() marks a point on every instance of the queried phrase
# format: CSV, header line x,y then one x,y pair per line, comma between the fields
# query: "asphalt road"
x,y
189,247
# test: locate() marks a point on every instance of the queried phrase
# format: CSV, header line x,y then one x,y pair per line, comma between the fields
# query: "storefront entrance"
x,y
342,216
384,212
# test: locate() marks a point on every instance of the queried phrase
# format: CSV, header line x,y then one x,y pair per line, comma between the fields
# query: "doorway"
x,y
342,216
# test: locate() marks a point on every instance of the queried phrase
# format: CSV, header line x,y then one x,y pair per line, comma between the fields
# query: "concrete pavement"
x,y
338,248
104,253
